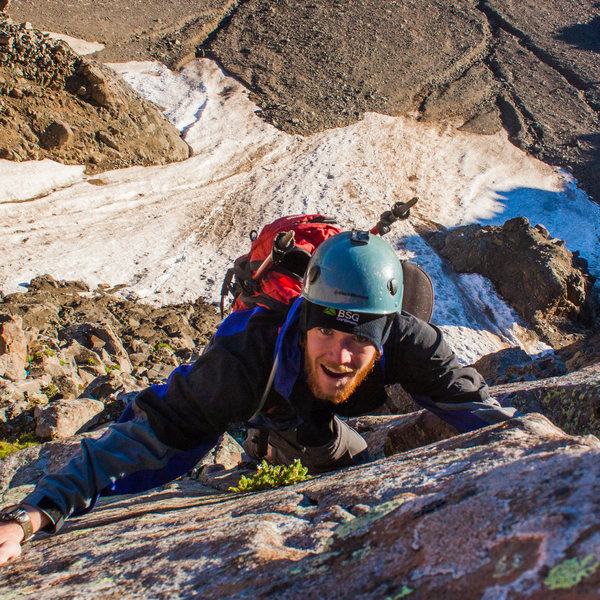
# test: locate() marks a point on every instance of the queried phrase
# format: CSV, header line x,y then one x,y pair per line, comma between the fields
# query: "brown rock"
x,y
106,138
13,348
82,355
12,337
111,385
532,271
218,468
17,399
57,135
387,435
399,401
101,93
98,337
65,418
494,365
93,73
12,367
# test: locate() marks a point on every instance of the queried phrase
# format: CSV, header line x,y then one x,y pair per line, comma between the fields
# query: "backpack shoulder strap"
x,y
419,297
267,389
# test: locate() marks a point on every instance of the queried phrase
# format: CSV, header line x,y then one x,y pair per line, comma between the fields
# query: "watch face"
x,y
21,516
15,514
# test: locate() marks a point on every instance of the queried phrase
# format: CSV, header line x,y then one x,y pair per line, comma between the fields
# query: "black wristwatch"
x,y
19,515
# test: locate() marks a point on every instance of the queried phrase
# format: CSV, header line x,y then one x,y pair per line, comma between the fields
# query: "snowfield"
x,y
169,233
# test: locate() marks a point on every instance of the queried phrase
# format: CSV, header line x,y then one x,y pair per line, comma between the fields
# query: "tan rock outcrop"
x,y
55,101
509,511
64,418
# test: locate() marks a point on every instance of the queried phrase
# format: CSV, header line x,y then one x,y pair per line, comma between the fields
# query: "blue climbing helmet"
x,y
355,271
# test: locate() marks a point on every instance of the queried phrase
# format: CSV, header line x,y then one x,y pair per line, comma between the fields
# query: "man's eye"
x,y
361,339
325,330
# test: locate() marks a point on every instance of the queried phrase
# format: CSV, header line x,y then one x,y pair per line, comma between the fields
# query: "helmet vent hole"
x,y
393,286
313,274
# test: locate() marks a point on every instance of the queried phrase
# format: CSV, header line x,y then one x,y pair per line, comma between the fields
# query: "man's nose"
x,y
340,353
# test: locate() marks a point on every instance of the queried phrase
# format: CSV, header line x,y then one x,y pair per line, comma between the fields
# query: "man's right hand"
x,y
11,533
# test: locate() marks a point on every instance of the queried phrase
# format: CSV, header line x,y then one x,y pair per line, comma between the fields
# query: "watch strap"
x,y
19,515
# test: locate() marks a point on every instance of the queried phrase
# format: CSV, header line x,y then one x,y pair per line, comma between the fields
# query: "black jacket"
x,y
170,427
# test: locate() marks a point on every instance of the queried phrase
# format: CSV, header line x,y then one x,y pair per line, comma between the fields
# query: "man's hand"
x,y
11,533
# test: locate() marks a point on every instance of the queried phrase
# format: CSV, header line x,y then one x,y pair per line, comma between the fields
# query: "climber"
x,y
293,376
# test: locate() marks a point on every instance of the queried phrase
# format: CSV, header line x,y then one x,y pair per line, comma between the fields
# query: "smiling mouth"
x,y
336,374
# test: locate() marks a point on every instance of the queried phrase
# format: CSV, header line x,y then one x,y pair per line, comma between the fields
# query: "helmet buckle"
x,y
358,236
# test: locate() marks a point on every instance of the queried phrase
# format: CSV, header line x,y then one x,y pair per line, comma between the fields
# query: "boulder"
x,y
48,283
115,390
507,511
12,368
388,435
13,348
218,468
17,400
97,337
64,418
110,385
495,364
571,401
57,135
514,364
399,401
546,283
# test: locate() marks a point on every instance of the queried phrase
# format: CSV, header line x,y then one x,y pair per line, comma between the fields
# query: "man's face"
x,y
336,362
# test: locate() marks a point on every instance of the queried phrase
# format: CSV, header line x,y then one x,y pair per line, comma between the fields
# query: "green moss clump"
x,y
165,346
405,591
39,354
90,360
570,572
25,441
51,391
269,477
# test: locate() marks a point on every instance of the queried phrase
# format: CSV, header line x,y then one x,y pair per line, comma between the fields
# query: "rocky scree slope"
x,y
140,30
56,104
71,359
532,69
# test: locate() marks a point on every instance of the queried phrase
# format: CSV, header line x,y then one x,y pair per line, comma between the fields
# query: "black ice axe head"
x,y
400,210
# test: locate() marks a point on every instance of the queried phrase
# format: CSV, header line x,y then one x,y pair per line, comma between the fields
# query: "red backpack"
x,y
270,275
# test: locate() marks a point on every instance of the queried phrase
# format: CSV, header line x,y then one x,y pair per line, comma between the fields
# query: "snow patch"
x,y
170,232
82,47
25,180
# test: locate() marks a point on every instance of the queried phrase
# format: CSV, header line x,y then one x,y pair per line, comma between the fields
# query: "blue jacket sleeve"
x,y
124,450
169,427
